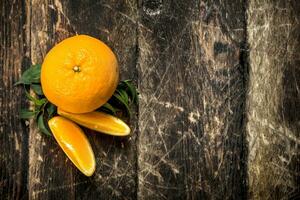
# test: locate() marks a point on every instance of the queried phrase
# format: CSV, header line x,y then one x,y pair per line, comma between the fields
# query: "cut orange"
x,y
74,143
79,74
99,121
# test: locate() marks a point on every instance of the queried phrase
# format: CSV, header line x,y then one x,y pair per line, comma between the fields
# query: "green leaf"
x,y
31,75
31,98
132,90
37,89
36,115
121,85
41,125
123,102
124,95
41,102
109,107
37,102
51,110
27,114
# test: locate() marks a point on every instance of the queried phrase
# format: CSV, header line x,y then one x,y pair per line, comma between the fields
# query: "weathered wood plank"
x,y
13,135
192,85
220,54
52,175
274,99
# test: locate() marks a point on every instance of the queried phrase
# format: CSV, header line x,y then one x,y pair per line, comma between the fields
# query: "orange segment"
x,y
74,143
99,121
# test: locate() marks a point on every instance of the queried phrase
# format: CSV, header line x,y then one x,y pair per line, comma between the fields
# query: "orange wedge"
x,y
74,143
99,121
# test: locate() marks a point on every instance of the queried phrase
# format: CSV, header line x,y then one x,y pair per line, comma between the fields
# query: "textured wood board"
x,y
45,182
192,85
274,99
13,134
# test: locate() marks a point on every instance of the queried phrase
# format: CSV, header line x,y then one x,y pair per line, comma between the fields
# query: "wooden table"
x,y
219,112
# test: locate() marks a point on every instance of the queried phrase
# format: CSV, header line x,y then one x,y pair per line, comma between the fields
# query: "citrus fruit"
x,y
99,121
74,143
79,74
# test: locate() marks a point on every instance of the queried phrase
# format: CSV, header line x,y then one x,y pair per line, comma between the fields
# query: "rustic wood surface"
x,y
219,107
273,126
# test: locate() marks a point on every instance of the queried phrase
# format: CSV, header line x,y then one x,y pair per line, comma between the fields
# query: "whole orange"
x,y
79,74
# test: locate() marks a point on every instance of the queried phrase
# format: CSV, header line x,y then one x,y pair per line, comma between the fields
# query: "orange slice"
x,y
74,143
99,121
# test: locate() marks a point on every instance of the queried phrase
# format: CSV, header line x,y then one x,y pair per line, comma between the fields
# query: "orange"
x,y
79,74
74,143
99,121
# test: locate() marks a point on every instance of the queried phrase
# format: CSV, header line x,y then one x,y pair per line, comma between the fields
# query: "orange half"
x,y
74,143
99,121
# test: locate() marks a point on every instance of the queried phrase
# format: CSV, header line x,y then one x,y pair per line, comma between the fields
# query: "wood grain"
x,y
13,134
273,99
219,100
50,172
192,85
220,52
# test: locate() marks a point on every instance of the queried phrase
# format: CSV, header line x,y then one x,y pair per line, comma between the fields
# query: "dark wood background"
x,y
219,112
